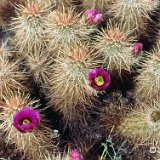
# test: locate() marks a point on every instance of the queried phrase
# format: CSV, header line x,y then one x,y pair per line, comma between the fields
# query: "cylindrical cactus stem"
x,y
101,5
29,26
142,125
148,80
40,66
65,28
23,125
67,155
58,157
66,3
11,77
133,13
110,117
115,44
70,91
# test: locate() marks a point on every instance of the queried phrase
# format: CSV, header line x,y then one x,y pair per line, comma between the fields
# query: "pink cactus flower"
x,y
93,16
75,155
137,48
26,120
99,79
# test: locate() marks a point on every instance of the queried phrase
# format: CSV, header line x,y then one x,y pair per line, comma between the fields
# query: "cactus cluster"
x,y
75,72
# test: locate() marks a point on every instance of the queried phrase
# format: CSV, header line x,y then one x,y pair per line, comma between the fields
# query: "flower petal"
x,y
26,113
99,72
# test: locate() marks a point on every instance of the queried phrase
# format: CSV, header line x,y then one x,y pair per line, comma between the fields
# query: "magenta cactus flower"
x,y
137,48
99,79
93,16
26,119
98,18
75,155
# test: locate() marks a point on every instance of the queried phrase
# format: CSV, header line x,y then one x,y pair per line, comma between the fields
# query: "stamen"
x,y
26,122
99,80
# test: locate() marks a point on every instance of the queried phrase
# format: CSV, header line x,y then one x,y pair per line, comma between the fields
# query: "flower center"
x,y
155,116
26,122
99,80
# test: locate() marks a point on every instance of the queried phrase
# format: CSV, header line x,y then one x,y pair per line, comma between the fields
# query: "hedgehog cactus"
x,y
19,129
58,157
133,13
142,125
111,116
66,3
11,77
102,5
40,66
73,155
30,22
115,45
70,91
148,81
65,28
